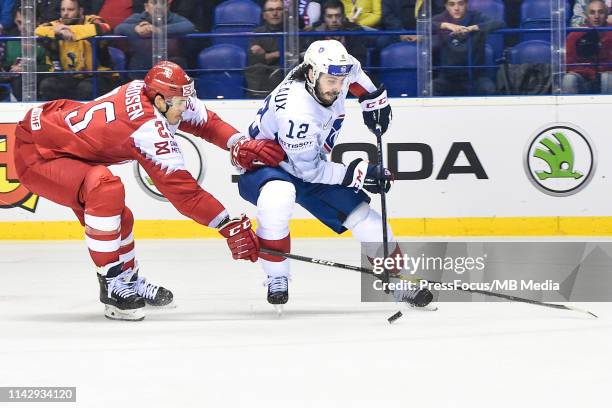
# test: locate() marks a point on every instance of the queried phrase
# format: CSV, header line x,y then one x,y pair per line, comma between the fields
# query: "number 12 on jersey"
x,y
303,128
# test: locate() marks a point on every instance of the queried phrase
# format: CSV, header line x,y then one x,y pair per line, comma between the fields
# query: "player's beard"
x,y
326,99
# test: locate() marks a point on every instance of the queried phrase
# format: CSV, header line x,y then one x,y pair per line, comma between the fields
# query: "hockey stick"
x,y
369,271
383,203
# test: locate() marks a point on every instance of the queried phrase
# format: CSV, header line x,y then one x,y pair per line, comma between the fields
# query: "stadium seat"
x,y
6,94
491,8
119,60
242,42
530,52
536,14
238,12
228,81
496,10
399,63
490,60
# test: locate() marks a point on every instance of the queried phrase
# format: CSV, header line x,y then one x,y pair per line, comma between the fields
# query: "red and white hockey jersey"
x,y
124,125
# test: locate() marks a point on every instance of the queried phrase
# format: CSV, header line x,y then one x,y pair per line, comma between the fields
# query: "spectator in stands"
x,y
114,12
73,52
580,13
49,10
46,10
366,13
455,31
513,13
399,15
334,20
208,14
309,12
139,29
264,71
194,12
593,47
12,61
6,15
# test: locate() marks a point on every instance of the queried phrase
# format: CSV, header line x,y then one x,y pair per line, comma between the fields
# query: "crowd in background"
x,y
460,34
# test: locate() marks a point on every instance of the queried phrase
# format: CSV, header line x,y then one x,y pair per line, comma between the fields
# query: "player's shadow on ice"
x,y
175,315
59,317
263,313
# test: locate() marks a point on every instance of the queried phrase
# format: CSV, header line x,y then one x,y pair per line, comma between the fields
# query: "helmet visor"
x,y
178,102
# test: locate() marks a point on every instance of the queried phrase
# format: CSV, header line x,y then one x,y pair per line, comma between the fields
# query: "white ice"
x,y
224,346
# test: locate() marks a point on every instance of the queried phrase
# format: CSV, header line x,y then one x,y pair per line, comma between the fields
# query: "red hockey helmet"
x,y
168,79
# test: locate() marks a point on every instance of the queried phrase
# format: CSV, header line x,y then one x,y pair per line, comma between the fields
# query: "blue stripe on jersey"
x,y
330,141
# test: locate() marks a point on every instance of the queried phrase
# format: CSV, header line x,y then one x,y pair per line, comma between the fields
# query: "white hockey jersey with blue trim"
x,y
305,129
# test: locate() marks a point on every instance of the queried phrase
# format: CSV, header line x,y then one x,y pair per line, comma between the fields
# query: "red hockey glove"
x,y
249,153
241,239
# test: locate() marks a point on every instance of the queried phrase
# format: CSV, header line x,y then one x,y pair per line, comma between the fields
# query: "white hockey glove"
x,y
362,175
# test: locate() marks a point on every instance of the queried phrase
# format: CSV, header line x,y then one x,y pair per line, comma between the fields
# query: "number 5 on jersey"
x,y
109,116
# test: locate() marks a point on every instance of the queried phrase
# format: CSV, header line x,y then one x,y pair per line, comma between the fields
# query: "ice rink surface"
x,y
224,346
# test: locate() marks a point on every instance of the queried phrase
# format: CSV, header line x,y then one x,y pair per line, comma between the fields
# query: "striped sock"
x,y
102,235
127,253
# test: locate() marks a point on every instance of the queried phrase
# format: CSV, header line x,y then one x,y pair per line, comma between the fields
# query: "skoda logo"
x,y
194,162
560,159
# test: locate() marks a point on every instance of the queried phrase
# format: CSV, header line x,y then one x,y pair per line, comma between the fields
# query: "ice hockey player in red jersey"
x,y
63,149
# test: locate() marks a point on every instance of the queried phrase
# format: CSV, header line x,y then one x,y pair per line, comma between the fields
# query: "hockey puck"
x,y
395,317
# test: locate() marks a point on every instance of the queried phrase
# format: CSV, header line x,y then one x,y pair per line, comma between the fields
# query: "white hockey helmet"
x,y
327,57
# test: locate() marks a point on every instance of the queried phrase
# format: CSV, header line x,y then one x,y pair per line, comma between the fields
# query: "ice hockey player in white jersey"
x,y
304,115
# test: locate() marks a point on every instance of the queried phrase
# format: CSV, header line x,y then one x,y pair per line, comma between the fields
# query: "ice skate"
x,y
278,292
121,302
416,298
156,296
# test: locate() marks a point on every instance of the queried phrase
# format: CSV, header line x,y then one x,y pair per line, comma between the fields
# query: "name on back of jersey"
x,y
280,99
133,105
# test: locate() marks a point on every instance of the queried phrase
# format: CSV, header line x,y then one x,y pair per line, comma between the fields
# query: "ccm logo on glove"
x,y
376,110
241,239
371,105
239,228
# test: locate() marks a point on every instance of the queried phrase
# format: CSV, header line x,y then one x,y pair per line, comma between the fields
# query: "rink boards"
x,y
509,166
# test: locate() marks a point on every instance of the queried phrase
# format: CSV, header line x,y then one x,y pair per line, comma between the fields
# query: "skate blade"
x,y
114,313
171,305
428,308
279,310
